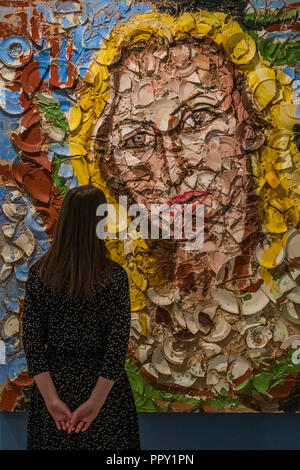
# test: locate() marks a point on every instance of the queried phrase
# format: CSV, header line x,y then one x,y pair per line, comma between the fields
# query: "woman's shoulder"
x,y
33,271
33,278
119,272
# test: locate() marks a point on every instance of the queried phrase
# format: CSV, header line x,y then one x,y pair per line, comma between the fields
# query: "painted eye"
x,y
200,117
138,140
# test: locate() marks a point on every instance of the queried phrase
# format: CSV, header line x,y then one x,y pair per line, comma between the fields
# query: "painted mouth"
x,y
189,197
192,198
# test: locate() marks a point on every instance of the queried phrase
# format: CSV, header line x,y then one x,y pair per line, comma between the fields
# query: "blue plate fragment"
x,y
15,51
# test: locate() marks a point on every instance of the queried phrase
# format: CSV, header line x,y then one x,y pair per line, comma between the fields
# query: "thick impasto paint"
x,y
164,102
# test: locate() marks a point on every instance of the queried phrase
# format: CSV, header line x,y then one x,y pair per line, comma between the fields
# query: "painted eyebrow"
x,y
182,106
186,104
134,121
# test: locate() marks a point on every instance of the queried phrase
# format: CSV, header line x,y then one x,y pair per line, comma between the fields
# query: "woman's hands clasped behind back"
x,y
83,416
79,420
60,412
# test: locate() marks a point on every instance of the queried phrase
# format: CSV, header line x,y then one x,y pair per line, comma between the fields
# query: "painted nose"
x,y
172,149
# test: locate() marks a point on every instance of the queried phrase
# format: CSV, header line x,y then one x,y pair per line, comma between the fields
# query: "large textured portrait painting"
x,y
163,103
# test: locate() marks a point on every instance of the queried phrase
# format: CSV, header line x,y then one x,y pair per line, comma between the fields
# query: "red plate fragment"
x,y
20,170
55,79
31,139
32,77
41,158
49,216
38,183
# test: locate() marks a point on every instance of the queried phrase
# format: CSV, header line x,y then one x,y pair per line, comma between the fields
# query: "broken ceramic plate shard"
x,y
280,331
5,271
239,370
184,379
265,256
210,349
13,102
226,299
248,323
11,254
202,61
8,229
188,71
134,333
180,54
291,312
159,298
285,284
203,320
54,133
144,352
135,323
149,63
15,51
11,326
38,183
294,295
197,369
132,64
221,330
125,82
163,113
234,267
222,384
178,315
69,6
254,302
7,74
241,48
159,361
205,178
293,245
288,342
171,353
258,337
33,76
187,90
218,363
151,370
26,242
145,93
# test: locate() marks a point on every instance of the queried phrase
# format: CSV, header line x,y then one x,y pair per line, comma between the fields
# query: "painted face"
x,y
179,128
179,133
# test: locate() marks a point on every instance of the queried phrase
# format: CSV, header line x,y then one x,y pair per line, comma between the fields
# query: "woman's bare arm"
x,y
46,387
101,391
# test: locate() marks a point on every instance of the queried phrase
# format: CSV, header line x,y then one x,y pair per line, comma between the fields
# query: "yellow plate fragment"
x,y
272,179
241,48
274,220
284,115
264,93
185,23
283,78
270,255
75,118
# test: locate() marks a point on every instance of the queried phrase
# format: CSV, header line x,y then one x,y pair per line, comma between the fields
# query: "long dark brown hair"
x,y
77,259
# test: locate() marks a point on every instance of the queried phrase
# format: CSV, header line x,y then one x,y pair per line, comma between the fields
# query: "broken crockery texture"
x,y
171,107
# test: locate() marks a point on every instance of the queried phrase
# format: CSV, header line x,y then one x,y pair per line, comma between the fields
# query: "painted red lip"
x,y
189,196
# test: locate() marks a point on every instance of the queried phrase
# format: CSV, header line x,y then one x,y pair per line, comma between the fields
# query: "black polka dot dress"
x,y
86,338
